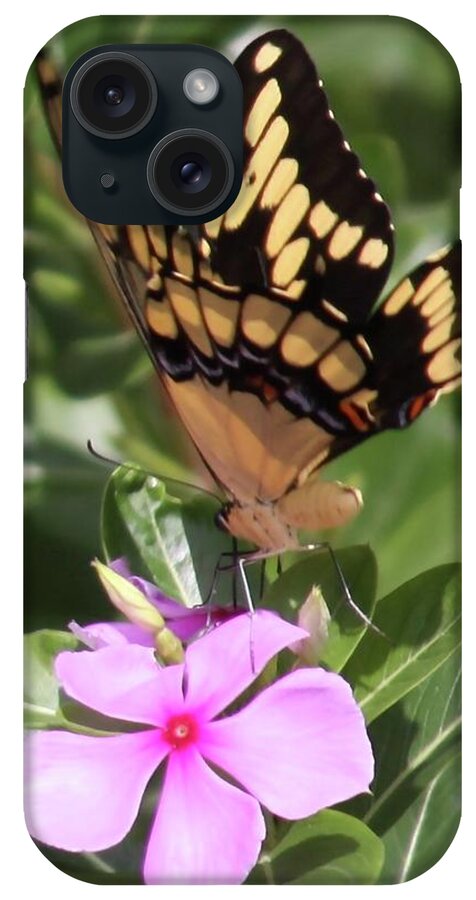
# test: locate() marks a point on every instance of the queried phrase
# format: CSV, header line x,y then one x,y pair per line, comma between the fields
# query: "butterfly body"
x,y
263,457
263,324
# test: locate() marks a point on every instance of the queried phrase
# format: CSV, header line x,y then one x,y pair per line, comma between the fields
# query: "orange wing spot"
x,y
268,392
354,415
420,402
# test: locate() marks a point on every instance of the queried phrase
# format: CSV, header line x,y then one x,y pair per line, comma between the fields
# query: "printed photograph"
x,y
242,477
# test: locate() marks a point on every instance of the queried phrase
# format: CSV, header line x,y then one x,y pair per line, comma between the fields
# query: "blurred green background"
x,y
395,91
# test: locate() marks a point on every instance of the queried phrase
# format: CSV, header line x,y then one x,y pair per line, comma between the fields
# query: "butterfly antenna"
x,y
116,463
103,458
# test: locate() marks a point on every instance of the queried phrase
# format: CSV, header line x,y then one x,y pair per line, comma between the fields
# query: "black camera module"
x,y
138,148
190,172
113,95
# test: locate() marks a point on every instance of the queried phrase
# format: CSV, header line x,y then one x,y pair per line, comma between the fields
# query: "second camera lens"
x,y
190,172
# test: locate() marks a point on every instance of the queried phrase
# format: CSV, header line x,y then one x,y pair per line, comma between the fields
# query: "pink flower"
x,y
185,622
298,746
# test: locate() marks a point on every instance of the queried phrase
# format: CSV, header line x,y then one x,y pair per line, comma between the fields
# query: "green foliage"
x,y
173,542
359,566
407,683
422,623
42,696
328,848
416,806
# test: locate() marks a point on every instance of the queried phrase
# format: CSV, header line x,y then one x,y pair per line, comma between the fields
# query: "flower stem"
x,y
265,863
265,860
271,835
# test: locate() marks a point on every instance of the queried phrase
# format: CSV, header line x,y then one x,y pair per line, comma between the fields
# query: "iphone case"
x,y
242,577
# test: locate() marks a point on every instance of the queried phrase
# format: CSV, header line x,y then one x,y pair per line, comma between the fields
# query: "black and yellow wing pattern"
x,y
263,323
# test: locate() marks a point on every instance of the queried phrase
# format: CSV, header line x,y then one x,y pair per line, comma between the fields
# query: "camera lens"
x,y
190,172
113,95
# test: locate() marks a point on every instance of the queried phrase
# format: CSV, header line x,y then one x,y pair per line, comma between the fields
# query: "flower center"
x,y
180,731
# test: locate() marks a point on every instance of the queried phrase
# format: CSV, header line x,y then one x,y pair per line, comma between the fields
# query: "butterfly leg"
x,y
242,560
228,561
234,561
321,545
219,568
347,596
235,585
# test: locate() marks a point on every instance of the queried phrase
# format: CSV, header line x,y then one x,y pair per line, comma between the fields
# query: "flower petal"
x,y
184,621
188,623
121,566
206,831
222,663
299,746
83,793
165,605
124,633
123,681
103,634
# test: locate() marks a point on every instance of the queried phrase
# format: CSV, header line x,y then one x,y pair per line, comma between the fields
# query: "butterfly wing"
x,y
288,274
414,340
259,322
308,220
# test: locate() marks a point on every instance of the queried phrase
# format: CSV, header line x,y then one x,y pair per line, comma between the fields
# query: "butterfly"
x,y
263,325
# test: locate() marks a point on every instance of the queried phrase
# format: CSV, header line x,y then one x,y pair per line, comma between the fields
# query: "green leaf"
x,y
328,848
421,620
63,489
57,286
290,590
88,867
175,541
42,698
93,365
416,806
425,832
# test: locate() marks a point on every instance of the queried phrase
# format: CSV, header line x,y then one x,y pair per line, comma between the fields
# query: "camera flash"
x,y
200,86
